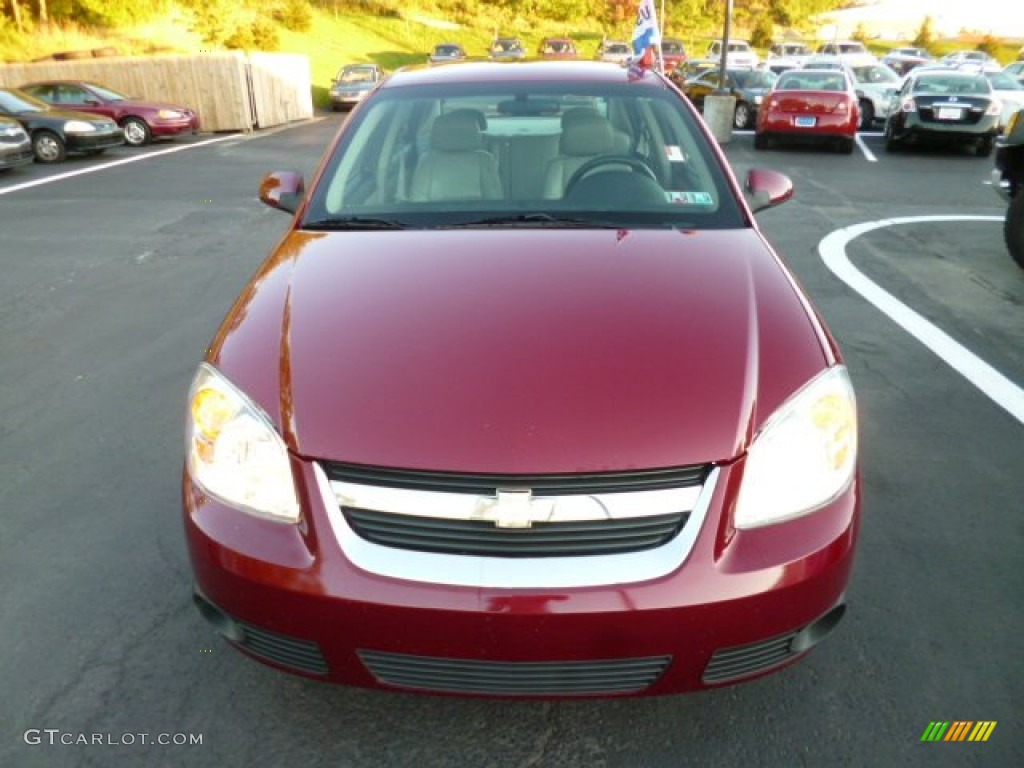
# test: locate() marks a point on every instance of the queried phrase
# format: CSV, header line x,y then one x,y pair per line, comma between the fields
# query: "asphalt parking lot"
x,y
115,276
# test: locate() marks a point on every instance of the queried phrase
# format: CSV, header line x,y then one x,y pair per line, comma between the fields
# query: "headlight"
x,y
10,130
169,114
79,126
234,452
804,456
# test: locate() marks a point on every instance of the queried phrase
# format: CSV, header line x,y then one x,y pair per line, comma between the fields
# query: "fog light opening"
x,y
814,633
223,623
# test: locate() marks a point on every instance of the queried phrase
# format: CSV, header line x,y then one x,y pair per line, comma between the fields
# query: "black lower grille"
x,y
504,678
287,651
483,538
744,660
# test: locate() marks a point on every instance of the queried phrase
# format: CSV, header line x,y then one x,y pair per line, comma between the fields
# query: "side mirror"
x,y
91,102
283,190
766,189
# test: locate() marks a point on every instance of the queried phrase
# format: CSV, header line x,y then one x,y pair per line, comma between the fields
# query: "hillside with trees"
x,y
26,24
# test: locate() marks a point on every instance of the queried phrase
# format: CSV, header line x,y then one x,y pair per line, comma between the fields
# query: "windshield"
x,y
754,78
106,93
941,85
18,101
357,75
851,48
1004,82
672,48
617,48
446,50
533,154
738,48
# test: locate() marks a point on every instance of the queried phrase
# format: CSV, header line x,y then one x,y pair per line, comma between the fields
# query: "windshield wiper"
x,y
536,219
352,222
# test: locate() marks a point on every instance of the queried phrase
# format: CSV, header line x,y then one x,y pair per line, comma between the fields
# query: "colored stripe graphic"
x,y
934,731
958,730
982,730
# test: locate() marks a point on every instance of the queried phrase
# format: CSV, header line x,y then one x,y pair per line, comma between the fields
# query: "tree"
x,y
926,34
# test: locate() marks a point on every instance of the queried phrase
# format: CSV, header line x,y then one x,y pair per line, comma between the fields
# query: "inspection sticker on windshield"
x,y
675,154
690,198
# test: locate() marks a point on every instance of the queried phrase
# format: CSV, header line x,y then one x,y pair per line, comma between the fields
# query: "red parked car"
x,y
523,404
816,105
141,120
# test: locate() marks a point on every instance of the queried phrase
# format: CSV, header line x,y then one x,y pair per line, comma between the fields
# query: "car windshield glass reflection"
x,y
106,93
17,101
532,155
359,75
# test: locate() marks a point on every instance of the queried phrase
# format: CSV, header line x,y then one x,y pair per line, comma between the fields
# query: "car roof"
x,y
517,72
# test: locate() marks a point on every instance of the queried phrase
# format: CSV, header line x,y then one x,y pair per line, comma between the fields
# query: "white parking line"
x,y
112,164
995,385
864,148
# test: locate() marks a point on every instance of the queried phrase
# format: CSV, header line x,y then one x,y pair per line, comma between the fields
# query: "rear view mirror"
x,y
283,190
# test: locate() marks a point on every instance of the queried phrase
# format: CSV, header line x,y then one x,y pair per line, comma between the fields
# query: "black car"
x,y
15,147
1008,181
944,105
748,86
55,132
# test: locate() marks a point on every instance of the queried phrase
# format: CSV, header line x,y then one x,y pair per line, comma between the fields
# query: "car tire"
x,y
741,118
984,147
136,132
760,141
48,147
867,115
1013,228
891,144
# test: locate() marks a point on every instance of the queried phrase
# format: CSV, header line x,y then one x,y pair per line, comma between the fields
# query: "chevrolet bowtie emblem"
x,y
516,508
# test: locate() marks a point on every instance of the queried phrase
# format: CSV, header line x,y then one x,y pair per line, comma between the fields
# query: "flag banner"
x,y
645,33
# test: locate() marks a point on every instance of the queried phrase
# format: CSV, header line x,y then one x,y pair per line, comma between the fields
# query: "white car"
x,y
783,56
1010,93
615,51
876,84
971,59
739,54
852,52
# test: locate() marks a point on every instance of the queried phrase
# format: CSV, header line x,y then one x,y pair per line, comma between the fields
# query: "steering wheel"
x,y
633,163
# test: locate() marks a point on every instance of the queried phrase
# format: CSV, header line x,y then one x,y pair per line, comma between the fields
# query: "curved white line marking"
x,y
995,385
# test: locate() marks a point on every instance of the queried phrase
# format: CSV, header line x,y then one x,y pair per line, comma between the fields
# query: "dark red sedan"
x,y
809,105
142,120
523,404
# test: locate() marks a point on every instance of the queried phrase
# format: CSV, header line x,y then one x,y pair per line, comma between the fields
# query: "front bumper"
x,y
174,126
86,142
13,155
741,604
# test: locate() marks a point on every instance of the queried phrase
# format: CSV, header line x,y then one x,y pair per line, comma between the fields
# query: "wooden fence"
x,y
231,91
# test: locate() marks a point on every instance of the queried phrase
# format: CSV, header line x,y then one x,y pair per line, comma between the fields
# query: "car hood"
x,y
527,351
62,114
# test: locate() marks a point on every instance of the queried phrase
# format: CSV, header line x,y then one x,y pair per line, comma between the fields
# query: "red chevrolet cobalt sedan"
x,y
523,404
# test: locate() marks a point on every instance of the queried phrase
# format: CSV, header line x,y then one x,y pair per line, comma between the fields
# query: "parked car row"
x,y
512,48
63,116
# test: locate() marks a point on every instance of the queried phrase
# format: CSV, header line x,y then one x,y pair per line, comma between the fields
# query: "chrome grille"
x,y
505,678
516,516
